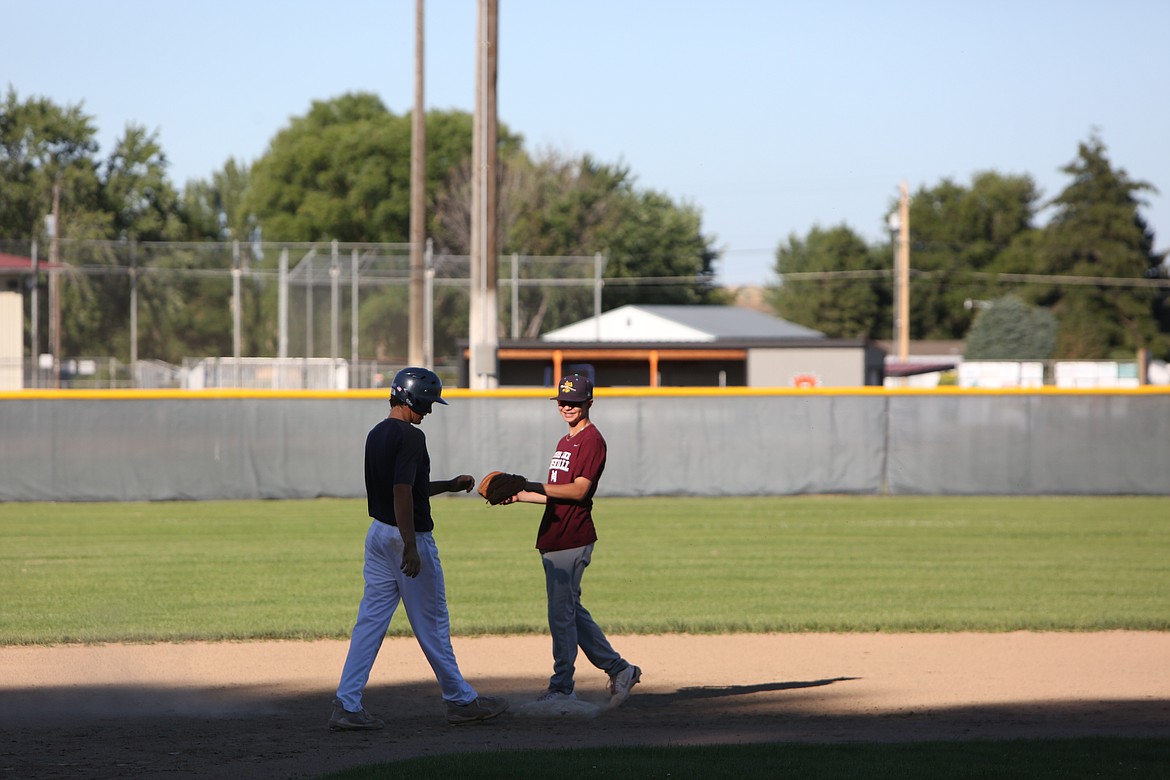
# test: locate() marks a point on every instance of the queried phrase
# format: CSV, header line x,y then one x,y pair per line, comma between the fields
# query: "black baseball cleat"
x,y
344,720
483,708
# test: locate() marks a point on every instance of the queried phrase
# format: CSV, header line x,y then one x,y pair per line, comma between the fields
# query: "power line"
x,y
1098,281
868,273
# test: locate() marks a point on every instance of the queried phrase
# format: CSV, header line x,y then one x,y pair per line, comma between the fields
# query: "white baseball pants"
x,y
425,600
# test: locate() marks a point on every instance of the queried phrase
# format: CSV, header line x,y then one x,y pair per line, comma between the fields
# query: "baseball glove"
x,y
498,486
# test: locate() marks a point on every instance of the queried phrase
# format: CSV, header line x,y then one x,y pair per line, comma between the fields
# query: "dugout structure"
x,y
232,444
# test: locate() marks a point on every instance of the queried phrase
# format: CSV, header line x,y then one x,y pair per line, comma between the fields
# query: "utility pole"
x,y
55,285
484,338
903,274
418,197
134,307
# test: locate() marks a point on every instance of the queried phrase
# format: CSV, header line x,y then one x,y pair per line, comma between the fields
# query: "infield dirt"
x,y
259,709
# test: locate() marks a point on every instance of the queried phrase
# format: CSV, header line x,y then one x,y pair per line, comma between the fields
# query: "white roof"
x,y
693,324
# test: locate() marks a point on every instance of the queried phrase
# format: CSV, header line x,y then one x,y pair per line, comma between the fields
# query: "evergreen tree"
x,y
1097,232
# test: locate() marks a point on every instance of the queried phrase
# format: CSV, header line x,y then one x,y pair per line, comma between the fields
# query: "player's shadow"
x,y
719,691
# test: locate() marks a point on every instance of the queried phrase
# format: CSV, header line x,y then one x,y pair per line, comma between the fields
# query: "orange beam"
x,y
558,355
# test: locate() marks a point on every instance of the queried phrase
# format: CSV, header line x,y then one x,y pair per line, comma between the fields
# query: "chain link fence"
x,y
110,314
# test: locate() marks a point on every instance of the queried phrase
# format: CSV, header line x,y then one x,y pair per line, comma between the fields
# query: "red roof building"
x,y
15,265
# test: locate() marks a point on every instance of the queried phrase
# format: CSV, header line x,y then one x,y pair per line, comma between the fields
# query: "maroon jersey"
x,y
569,524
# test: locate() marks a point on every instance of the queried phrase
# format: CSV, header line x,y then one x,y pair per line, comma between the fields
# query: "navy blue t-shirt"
x,y
396,454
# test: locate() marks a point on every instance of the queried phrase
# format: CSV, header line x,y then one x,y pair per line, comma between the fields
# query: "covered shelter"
x,y
687,346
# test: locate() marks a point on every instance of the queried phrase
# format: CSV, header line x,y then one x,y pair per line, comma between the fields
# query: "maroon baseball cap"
x,y
575,389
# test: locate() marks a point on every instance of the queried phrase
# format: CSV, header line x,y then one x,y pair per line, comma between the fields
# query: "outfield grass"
x,y
292,569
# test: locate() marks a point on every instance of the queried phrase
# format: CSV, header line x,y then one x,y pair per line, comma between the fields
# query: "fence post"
x,y
34,336
334,275
236,310
308,263
515,297
133,303
598,268
429,305
282,306
353,305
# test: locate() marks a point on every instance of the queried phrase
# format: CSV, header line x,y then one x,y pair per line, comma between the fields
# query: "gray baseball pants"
x,y
570,623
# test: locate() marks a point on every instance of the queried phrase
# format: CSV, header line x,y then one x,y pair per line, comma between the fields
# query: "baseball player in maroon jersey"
x,y
565,540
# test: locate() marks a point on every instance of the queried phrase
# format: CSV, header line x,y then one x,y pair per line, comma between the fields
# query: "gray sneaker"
x,y
620,684
551,695
344,720
483,708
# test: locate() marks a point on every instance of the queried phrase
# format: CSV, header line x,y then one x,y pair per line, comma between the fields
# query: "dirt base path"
x,y
259,710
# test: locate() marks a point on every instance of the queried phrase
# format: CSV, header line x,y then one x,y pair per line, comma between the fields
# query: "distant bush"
x,y
1010,329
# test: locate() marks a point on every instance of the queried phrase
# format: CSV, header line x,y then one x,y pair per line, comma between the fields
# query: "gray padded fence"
x,y
1096,444
85,449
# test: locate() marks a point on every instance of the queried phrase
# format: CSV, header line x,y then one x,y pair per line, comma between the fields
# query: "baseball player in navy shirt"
x,y
402,561
565,540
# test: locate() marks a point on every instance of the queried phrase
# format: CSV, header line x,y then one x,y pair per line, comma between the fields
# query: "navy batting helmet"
x,y
418,388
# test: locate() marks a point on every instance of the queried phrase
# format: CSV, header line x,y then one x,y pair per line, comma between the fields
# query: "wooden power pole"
x,y
903,274
484,337
418,197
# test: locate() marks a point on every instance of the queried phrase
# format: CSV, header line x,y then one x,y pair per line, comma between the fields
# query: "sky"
x,y
770,117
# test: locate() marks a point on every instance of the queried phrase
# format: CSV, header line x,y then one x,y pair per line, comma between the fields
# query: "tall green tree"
x,y
956,232
342,171
46,148
137,192
43,145
830,299
126,197
557,207
332,174
214,210
137,203
1096,231
659,245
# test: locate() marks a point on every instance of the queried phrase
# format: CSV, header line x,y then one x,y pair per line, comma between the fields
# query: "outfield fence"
x,y
165,445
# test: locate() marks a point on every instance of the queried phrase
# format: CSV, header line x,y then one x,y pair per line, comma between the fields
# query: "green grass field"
x,y
292,569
